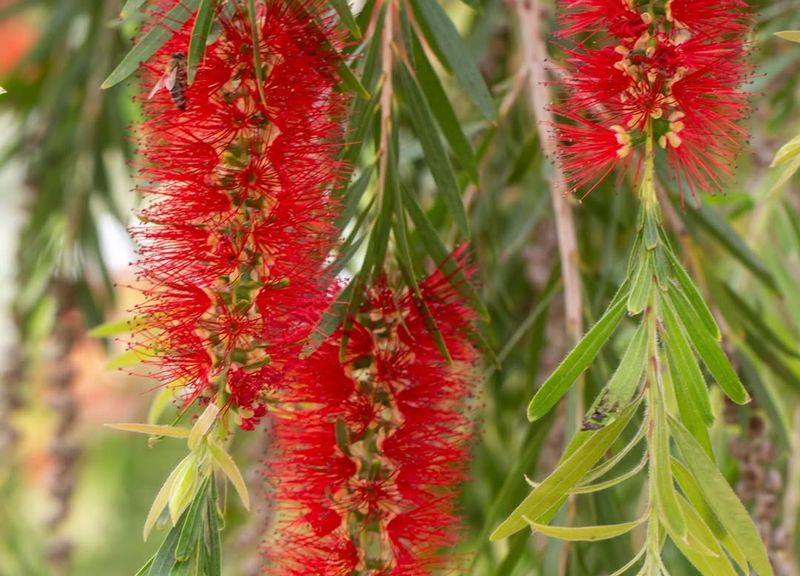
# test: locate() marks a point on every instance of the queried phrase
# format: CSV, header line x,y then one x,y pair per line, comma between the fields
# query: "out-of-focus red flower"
x,y
669,70
17,36
372,446
239,215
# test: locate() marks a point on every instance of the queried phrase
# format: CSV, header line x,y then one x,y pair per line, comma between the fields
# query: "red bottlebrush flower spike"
x,y
670,70
371,445
239,216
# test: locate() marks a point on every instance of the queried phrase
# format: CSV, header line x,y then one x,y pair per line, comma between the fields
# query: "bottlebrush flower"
x,y
669,70
239,220
371,445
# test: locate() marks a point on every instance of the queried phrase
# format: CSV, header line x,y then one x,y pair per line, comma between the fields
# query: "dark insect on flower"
x,y
174,80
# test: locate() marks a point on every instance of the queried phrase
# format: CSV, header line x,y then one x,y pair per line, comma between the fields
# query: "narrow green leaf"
x,y
435,155
199,38
342,8
623,384
651,227
585,488
690,385
145,570
165,557
231,470
117,327
153,429
722,499
586,533
443,111
758,328
131,7
437,250
642,283
708,349
127,359
351,81
441,33
790,35
569,472
193,526
256,47
576,362
666,499
695,497
719,228
702,548
149,44
214,544
602,469
693,295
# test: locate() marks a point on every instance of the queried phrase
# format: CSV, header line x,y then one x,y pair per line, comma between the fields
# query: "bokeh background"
x,y
74,494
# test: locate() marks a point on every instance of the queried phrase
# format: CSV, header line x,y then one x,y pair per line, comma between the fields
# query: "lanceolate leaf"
x,y
587,533
193,526
441,33
437,250
708,349
154,39
200,30
722,499
576,361
346,16
443,111
623,384
435,155
693,295
666,499
551,492
231,470
687,379
703,550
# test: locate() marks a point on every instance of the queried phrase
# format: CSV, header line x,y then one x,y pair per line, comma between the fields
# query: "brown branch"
x,y
534,55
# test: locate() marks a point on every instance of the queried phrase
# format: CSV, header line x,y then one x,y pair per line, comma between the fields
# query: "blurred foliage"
x,y
71,141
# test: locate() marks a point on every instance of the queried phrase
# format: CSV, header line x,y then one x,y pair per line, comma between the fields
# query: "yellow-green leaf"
x,y
790,35
152,429
551,492
787,152
160,502
228,466
183,487
586,533
202,425
666,499
702,548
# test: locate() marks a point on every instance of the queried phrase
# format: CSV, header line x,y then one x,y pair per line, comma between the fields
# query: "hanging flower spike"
x,y
371,451
238,217
669,70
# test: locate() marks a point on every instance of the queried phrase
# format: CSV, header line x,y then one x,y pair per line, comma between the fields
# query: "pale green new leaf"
x,y
202,425
152,429
551,492
116,328
161,499
183,487
790,35
787,152
586,533
642,282
576,361
722,499
127,359
231,470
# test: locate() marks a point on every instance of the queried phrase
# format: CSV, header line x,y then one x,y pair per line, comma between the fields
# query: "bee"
x,y
174,80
